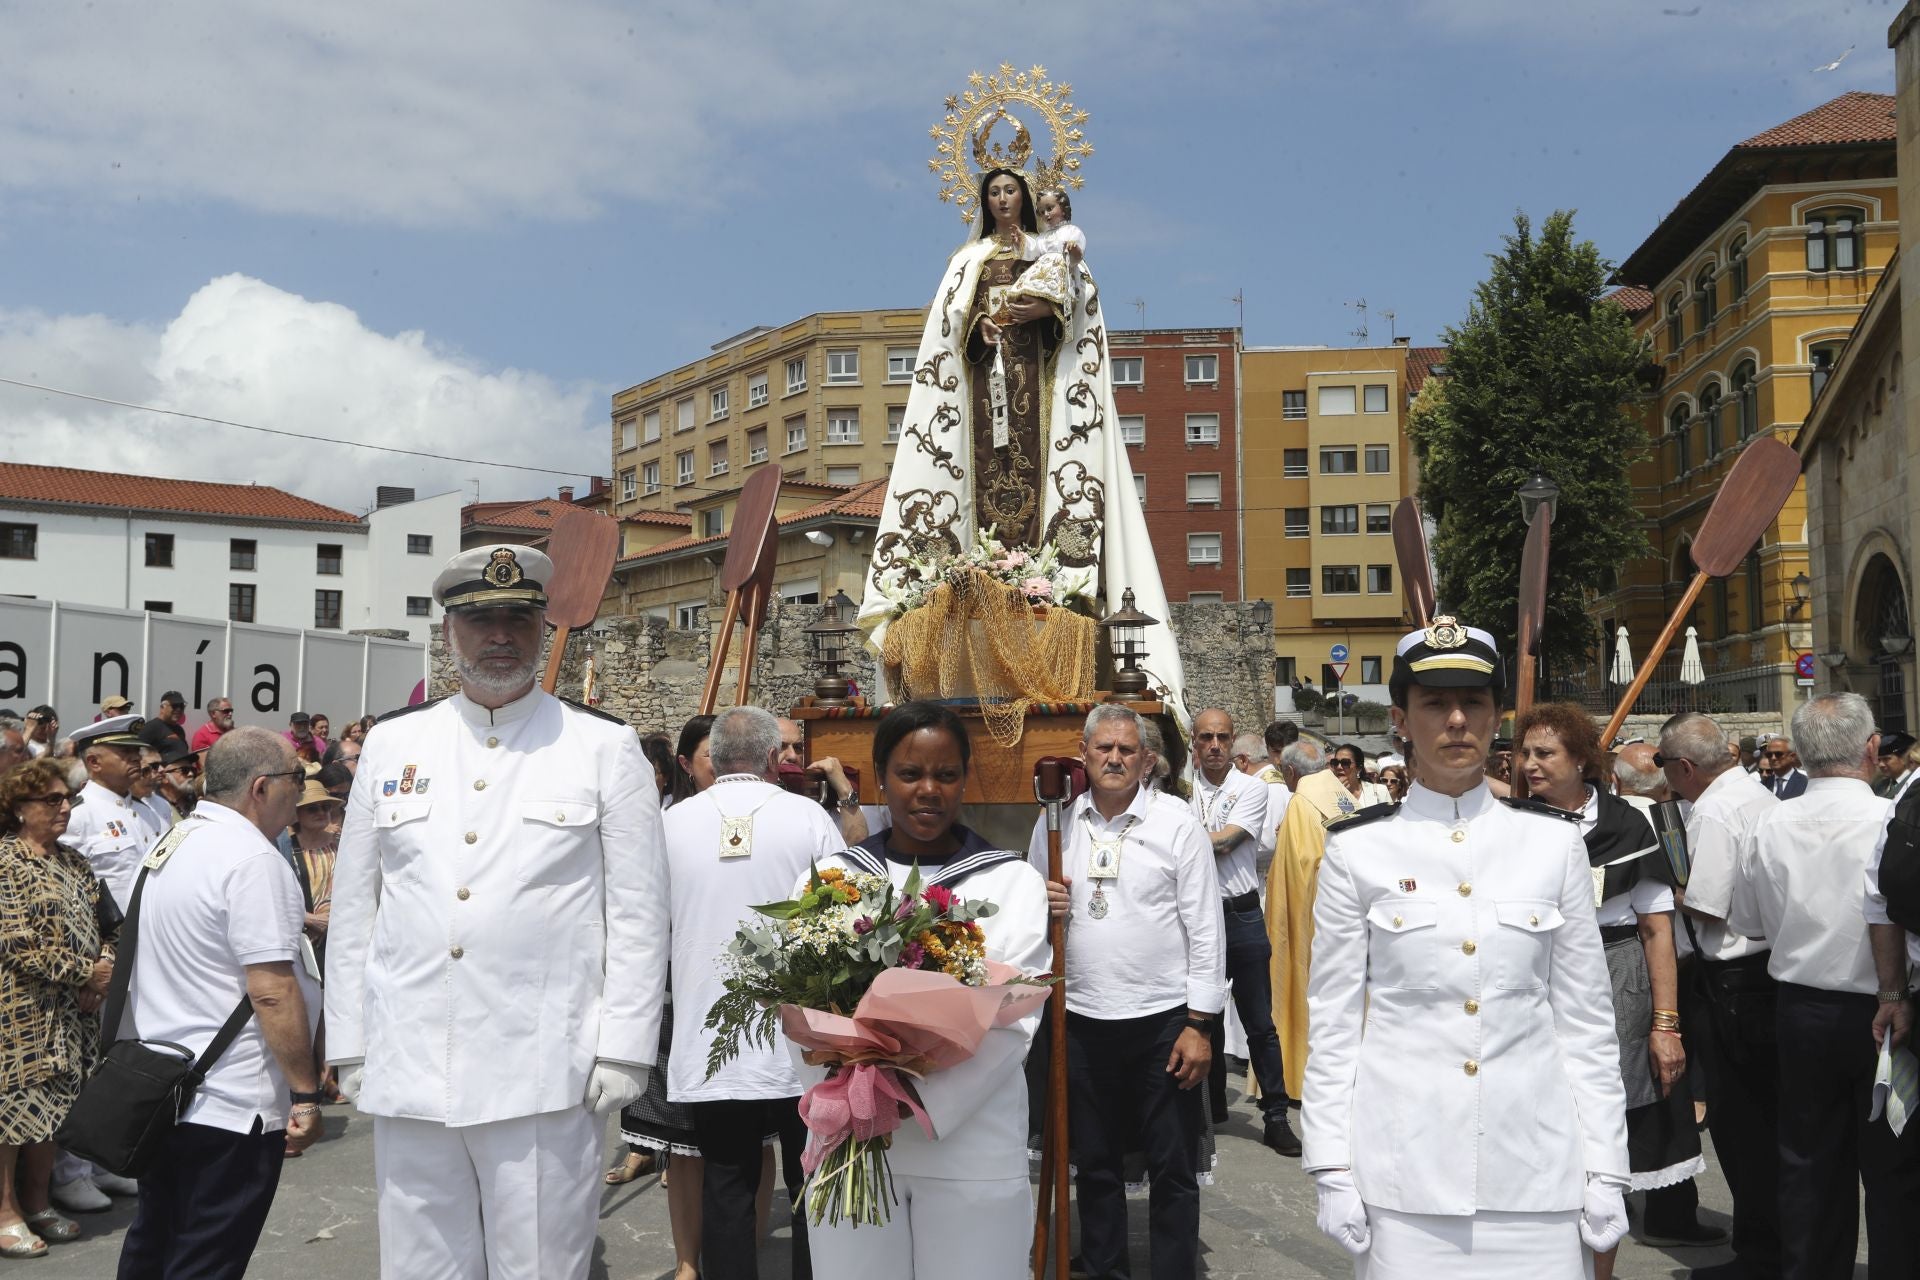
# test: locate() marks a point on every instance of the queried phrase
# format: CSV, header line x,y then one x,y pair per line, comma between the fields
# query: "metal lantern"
x,y
1263,614
1127,641
1537,493
832,640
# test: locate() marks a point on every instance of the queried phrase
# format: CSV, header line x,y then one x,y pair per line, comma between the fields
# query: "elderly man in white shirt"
x,y
219,921
1798,886
741,842
1146,981
1743,1087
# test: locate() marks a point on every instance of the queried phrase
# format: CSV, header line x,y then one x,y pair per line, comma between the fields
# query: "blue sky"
x,y
461,226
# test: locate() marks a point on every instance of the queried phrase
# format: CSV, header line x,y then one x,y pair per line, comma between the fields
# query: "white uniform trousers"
x,y
942,1229
510,1200
1486,1246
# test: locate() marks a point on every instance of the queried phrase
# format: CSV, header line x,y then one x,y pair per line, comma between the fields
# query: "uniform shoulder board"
x,y
397,712
1361,817
597,712
78,800
1530,805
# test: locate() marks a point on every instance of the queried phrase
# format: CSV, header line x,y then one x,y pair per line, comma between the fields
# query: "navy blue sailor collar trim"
x,y
973,856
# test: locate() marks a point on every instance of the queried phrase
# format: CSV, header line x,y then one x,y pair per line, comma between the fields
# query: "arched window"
x,y
1710,413
1673,322
1737,268
1703,297
1680,429
1823,356
1747,397
1833,239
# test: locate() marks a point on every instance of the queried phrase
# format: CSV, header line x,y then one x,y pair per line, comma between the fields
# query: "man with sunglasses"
x,y
219,721
179,778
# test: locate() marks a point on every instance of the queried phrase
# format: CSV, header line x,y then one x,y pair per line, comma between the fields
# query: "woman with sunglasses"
x,y
54,972
1349,765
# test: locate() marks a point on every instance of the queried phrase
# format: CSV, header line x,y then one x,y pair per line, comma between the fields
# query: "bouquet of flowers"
x,y
1038,576
878,984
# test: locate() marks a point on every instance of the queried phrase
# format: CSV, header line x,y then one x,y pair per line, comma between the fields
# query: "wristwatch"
x,y
849,803
299,1097
1203,1025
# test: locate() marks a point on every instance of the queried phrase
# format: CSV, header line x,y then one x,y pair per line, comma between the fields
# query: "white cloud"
x,y
245,351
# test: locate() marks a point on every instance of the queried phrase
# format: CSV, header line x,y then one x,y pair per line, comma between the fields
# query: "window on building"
x,y
629,485
1674,335
1339,579
1299,583
1203,368
1130,371
326,610
157,606
1339,460
1140,487
756,445
1284,670
713,522
1722,613
1370,671
1293,464
1379,459
843,367
1374,398
1203,488
843,475
1710,418
160,551
1680,431
1293,404
1833,239
683,468
1203,548
718,461
1205,597
690,615
1336,401
683,415
756,390
799,591
1379,517
1746,393
796,374
716,404
1823,356
796,434
1203,428
843,426
419,606
629,433
240,599
1703,297
1133,429
1296,522
650,426
19,541
419,544
1340,519
244,553
650,477
1379,579
1737,268
900,364
896,419
326,558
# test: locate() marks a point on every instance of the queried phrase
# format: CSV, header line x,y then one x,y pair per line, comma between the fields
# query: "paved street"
x,y
1258,1222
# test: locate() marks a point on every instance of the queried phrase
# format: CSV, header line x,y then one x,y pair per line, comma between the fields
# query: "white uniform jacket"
x,y
1461,1050
499,910
978,1107
113,833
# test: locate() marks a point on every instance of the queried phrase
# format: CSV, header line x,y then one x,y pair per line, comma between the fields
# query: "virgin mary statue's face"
x,y
1003,198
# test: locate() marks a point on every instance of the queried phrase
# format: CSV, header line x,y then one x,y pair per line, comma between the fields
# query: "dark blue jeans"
x,y
1250,974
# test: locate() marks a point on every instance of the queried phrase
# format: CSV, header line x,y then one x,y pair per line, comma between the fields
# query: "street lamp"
x,y
1802,592
1536,493
1263,614
1127,640
830,638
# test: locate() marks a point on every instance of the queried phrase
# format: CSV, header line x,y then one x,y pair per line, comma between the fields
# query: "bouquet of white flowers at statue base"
x,y
1036,575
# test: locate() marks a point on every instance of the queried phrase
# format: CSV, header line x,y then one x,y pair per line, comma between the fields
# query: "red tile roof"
x,y
537,514
1421,362
861,501
671,518
69,486
1631,299
1851,117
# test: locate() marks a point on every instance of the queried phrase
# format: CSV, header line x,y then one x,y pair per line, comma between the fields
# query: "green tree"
x,y
1540,376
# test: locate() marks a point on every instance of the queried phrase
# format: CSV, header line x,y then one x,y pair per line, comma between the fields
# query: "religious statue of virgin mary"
x,y
1010,447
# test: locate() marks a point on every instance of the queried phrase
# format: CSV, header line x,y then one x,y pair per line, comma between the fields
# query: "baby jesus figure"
x,y
1055,275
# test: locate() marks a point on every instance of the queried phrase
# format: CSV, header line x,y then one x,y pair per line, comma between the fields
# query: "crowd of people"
x,y
1395,948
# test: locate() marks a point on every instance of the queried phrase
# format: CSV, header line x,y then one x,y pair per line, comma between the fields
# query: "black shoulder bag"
x,y
142,1087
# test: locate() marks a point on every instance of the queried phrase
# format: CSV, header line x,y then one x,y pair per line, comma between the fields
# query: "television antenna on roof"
x,y
1140,305
1359,306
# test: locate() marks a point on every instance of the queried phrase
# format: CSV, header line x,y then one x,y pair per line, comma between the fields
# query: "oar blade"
x,y
1750,498
583,547
1410,549
1533,588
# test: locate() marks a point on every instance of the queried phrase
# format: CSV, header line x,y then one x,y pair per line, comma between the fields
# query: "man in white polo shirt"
x,y
218,920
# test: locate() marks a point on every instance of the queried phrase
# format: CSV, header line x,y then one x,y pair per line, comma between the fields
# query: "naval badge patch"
x,y
504,569
1408,886
406,780
390,786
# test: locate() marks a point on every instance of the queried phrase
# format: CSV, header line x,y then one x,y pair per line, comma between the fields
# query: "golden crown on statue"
x,y
965,147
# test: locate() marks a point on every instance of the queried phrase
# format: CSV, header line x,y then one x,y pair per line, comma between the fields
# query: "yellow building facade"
x,y
1745,296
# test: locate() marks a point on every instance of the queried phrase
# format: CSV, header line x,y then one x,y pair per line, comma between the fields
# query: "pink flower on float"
x,y
939,897
912,956
1037,589
863,925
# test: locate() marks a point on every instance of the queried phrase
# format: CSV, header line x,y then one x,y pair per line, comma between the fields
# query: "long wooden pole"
x,y
717,658
1055,1201
1652,660
551,676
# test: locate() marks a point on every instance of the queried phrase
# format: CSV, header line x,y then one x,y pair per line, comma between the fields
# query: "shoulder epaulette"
x,y
397,712
1530,805
78,800
1361,817
597,712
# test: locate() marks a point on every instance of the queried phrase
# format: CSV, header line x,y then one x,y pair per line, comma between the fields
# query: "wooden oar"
x,y
747,576
1416,570
583,547
1526,637
1053,788
1749,499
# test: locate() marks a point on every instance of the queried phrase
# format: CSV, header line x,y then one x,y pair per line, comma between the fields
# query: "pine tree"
x,y
1540,376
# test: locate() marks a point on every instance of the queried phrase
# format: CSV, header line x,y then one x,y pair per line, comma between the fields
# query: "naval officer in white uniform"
x,y
1463,1109
496,955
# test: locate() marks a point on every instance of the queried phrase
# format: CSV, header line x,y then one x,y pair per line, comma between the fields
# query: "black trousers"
x,y
1250,975
1743,1105
202,1204
1120,1097
1828,1147
730,1135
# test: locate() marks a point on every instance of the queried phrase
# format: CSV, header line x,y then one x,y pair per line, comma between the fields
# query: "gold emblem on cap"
x,y
503,570
1445,633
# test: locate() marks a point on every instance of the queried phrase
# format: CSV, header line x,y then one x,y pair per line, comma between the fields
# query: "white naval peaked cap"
x,y
503,573
113,731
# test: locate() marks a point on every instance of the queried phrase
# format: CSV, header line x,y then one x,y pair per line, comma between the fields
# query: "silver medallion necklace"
x,y
1104,862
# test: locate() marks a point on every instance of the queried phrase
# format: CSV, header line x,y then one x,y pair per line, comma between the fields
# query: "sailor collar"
x,y
1424,802
484,717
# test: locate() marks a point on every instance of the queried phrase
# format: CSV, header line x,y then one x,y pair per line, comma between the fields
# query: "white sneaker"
x,y
115,1185
79,1196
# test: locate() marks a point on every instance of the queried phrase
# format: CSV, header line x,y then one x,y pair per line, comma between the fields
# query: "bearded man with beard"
x,y
496,955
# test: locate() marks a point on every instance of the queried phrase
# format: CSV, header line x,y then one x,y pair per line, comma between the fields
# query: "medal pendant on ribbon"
x,y
736,837
1097,906
1105,863
1599,885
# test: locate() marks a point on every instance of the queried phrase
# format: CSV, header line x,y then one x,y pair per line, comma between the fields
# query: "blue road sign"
x,y
1339,653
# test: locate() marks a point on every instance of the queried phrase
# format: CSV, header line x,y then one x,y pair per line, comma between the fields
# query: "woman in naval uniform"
x,y
1462,1107
964,1209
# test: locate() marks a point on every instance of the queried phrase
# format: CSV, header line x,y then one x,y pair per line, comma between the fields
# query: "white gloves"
x,y
1603,1222
1342,1216
353,1075
614,1084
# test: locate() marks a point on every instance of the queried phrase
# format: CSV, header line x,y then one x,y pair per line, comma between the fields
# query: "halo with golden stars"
x,y
965,146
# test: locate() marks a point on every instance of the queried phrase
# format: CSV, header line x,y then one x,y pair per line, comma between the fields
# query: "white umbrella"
x,y
1622,672
1691,672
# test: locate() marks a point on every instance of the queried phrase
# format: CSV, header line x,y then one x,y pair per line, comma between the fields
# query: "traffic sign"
x,y
1339,668
1803,666
1339,653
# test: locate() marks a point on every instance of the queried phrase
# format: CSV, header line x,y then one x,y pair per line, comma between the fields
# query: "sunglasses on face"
x,y
60,801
